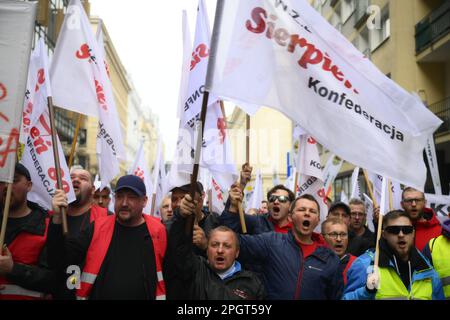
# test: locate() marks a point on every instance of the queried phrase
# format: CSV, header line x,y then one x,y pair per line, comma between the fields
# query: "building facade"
x,y
409,41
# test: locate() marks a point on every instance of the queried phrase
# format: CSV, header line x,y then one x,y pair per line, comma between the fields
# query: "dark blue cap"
x,y
132,182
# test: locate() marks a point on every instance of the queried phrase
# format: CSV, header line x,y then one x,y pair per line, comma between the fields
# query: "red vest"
x,y
25,249
97,212
103,232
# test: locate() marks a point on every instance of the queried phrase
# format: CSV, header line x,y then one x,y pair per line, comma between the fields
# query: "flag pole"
x,y
369,187
391,201
247,161
152,210
56,158
74,141
5,216
190,219
380,222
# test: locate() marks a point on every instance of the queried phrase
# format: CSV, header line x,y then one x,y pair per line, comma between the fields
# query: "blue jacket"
x,y
255,224
357,275
286,274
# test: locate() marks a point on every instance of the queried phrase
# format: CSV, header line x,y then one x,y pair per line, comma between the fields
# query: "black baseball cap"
x,y
187,188
132,182
22,170
339,205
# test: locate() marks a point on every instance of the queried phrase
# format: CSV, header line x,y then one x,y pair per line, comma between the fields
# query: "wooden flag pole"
x,y
369,187
247,160
56,158
391,200
152,210
198,149
74,141
5,217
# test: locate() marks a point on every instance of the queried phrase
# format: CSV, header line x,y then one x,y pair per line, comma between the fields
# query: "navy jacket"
x,y
286,274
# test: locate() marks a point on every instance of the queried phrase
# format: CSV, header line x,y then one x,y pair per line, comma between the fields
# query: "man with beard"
x,y
424,219
403,272
82,211
123,253
24,274
80,214
297,264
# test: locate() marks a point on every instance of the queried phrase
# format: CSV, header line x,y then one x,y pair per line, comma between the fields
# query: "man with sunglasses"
x,y
276,219
424,219
403,273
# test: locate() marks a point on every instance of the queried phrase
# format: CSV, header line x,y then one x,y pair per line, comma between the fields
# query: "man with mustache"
x,y
297,264
403,272
123,253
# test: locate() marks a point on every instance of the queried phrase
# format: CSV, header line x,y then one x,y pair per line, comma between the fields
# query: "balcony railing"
x,y
361,13
442,110
433,27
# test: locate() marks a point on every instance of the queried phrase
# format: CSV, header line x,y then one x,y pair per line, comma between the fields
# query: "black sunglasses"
x,y
397,229
281,199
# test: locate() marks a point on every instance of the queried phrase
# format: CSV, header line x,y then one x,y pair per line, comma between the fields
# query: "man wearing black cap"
x,y
356,245
24,274
123,253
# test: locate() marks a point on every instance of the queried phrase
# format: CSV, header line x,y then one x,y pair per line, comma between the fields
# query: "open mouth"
x,y
276,209
306,223
401,244
339,246
220,259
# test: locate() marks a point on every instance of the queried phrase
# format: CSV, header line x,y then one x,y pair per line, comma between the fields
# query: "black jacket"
x,y
357,245
198,280
40,277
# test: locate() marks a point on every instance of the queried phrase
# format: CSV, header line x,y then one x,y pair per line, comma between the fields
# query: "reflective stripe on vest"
x,y
101,239
392,287
441,261
13,290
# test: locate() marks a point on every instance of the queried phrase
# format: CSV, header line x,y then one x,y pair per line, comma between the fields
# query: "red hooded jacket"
x,y
428,229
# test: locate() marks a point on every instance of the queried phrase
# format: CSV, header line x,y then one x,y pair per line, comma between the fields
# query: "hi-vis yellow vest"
x,y
440,253
392,287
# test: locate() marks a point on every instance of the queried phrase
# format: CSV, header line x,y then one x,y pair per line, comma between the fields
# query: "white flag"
x,y
80,83
257,194
369,211
186,65
430,151
218,203
344,197
286,56
440,204
384,200
140,169
310,178
38,155
216,151
39,159
16,33
331,171
356,190
159,179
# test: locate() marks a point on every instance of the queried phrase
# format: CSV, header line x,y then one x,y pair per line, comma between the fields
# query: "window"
x,y
347,9
380,31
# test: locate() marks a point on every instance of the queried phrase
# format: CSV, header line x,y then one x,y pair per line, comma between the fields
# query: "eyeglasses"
x,y
335,235
357,214
396,229
282,199
409,201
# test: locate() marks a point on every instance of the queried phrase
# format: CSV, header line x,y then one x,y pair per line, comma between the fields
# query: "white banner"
x,y
38,156
39,159
140,169
430,151
369,211
331,171
80,83
257,195
16,33
356,190
439,203
286,56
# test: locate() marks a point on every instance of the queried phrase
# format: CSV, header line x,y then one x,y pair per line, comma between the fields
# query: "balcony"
x,y
442,110
433,27
361,13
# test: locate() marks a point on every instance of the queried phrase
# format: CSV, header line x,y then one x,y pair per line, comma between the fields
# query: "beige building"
x,y
134,124
409,41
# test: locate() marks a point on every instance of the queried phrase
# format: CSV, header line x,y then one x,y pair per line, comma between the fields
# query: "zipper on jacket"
x,y
298,287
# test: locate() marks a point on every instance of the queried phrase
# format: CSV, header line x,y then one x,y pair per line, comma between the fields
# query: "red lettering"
x,y
200,52
311,140
83,53
100,95
11,146
52,174
257,15
3,91
34,132
40,79
221,125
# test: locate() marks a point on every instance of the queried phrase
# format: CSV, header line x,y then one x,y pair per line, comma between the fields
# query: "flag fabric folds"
x,y
286,56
